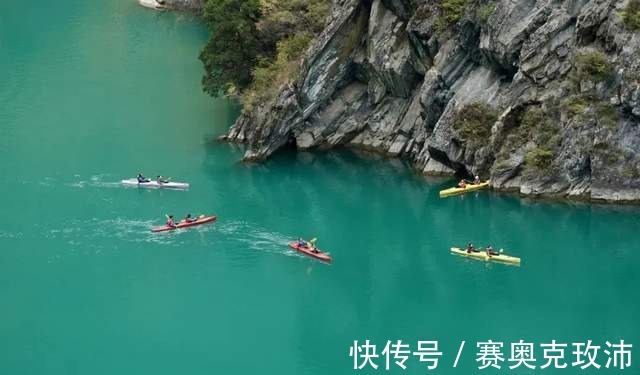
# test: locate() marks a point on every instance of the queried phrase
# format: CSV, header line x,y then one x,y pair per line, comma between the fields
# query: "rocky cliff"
x,y
541,96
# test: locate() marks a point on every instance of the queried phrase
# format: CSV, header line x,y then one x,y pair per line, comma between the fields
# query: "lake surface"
x,y
95,91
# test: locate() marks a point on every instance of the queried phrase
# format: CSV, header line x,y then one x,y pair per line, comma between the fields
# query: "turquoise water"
x,y
93,92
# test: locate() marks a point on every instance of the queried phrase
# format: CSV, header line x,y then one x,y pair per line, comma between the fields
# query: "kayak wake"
x,y
256,239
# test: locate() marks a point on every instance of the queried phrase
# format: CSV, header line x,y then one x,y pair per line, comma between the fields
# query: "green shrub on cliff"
x,y
575,105
631,15
536,126
473,122
535,132
282,19
451,11
531,118
484,12
631,171
269,76
607,114
593,66
583,108
539,158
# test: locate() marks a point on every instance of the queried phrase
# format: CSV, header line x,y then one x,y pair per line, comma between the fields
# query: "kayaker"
x,y
142,179
189,219
462,184
170,222
476,180
490,251
302,243
312,245
470,248
162,180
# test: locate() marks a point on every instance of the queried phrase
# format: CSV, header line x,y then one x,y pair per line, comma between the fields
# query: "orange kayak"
x,y
184,224
312,253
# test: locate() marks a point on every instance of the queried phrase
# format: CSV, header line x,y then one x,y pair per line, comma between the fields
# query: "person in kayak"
x,y
189,219
476,180
162,180
490,251
470,248
462,184
170,222
311,244
142,179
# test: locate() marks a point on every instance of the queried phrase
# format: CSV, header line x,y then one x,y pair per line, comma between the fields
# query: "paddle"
x,y
312,243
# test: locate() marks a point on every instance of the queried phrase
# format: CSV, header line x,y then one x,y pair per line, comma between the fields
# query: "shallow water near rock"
x,y
94,92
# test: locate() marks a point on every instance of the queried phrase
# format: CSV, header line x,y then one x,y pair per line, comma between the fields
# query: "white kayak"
x,y
153,4
155,184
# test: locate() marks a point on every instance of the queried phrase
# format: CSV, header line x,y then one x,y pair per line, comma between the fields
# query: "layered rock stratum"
x,y
558,82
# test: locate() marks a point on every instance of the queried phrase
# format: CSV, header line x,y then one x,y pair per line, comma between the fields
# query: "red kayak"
x,y
307,251
183,224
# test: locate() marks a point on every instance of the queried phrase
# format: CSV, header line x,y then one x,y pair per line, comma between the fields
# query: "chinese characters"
x,y
492,354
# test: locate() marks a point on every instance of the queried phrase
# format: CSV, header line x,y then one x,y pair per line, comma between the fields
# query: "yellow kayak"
x,y
482,255
456,190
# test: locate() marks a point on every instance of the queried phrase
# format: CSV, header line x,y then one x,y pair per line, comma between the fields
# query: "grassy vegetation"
x,y
539,158
256,45
473,122
593,66
451,11
269,76
485,11
575,105
612,155
537,134
607,114
537,131
630,172
536,125
531,118
631,15
601,110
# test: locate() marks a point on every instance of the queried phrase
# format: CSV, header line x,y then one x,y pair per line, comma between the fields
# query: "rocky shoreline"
x,y
562,77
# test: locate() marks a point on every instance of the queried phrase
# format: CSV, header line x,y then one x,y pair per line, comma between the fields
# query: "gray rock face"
x,y
386,76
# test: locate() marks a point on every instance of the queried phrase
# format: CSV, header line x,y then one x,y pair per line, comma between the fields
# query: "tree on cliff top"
x,y
255,45
231,53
